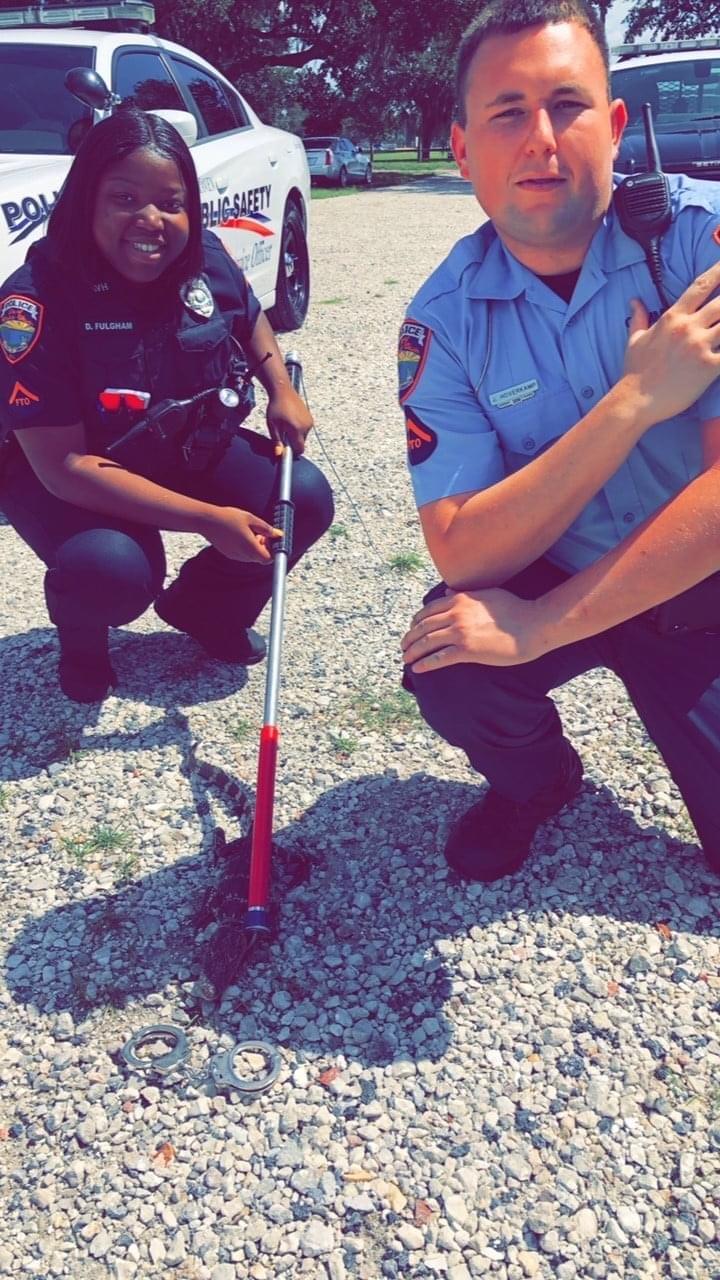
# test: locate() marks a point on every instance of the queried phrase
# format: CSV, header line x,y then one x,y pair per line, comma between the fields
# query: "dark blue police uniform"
x,y
65,346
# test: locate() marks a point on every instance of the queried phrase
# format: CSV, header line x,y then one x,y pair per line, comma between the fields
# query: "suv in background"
x,y
254,180
337,160
681,81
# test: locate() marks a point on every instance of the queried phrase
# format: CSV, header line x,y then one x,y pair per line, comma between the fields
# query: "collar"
x,y
500,275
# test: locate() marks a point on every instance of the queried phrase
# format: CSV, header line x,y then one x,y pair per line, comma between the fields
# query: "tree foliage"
x,y
364,61
673,19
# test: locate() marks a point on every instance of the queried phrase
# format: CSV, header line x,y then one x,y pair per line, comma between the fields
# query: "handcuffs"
x,y
221,1067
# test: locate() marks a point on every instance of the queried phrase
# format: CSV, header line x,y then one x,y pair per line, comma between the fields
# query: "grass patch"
x,y
342,744
383,712
406,562
100,841
329,193
239,729
330,302
337,531
4,797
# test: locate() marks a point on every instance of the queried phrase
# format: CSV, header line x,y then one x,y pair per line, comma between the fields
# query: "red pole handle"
x,y
261,847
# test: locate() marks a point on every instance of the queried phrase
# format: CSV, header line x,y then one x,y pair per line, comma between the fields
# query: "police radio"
x,y
643,205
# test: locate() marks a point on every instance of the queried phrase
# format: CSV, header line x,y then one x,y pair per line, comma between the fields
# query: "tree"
x,y
673,19
364,59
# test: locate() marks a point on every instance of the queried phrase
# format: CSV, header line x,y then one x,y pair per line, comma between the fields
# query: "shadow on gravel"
x,y
41,726
356,966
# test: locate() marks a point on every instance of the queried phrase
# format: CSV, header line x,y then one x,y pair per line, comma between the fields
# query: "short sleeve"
x,y
39,386
451,446
231,290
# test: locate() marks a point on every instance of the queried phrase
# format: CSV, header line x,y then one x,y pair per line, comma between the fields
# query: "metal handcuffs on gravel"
x,y
221,1067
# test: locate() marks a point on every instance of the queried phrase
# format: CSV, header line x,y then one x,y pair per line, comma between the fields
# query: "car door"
x,y
355,162
236,162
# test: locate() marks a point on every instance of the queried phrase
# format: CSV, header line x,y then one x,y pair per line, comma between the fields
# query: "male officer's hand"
x,y
672,362
289,419
491,626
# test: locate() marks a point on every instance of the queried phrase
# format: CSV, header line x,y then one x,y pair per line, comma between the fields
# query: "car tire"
x,y
368,176
292,290
342,179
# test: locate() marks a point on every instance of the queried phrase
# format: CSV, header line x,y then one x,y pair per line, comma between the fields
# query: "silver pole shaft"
x,y
279,592
277,614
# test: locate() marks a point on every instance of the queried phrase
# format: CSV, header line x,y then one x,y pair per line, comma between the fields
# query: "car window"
x,y
208,94
238,106
37,114
676,91
142,80
317,144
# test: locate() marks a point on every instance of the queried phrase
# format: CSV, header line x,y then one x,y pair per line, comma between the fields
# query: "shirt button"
x,y
529,443
629,517
588,393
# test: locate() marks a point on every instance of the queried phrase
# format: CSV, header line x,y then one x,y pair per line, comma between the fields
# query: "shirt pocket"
x,y
526,430
110,363
205,351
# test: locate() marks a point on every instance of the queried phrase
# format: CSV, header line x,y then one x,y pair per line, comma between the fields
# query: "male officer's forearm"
x,y
676,548
482,539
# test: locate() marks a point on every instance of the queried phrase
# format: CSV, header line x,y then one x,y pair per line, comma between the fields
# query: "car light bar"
x,y
128,12
665,46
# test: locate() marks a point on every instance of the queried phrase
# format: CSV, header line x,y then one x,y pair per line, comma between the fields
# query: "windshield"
x,y
677,91
316,144
37,114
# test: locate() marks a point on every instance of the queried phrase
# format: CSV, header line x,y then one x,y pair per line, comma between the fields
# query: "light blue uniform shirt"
x,y
494,367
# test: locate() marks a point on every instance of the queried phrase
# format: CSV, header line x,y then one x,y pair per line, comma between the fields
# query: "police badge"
x,y
196,296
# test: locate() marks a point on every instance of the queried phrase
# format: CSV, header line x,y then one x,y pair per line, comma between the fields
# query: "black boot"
x,y
219,638
84,668
493,838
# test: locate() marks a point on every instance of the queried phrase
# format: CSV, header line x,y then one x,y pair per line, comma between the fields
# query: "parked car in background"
x,y
337,160
254,180
681,81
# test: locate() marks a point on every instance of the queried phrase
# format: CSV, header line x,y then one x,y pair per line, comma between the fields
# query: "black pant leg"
x,y
248,477
674,683
100,571
501,717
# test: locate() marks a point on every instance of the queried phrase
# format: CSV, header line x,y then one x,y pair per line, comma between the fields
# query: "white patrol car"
x,y
254,180
681,81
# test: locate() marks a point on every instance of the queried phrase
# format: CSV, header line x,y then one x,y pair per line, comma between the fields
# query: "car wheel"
x,y
343,176
368,176
292,290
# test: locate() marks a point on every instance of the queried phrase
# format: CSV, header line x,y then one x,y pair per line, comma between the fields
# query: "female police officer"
x,y
127,302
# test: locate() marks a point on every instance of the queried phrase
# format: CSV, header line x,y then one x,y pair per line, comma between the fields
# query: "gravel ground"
x,y
513,1081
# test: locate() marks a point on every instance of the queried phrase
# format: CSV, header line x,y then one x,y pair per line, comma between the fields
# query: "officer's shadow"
x,y
359,964
40,726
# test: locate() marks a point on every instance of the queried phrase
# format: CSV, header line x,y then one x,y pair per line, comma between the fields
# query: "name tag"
x,y
514,395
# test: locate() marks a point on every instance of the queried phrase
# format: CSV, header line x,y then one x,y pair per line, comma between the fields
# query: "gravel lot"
x,y
517,1081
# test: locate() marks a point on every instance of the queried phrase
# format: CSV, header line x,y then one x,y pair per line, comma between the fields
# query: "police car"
x,y
254,180
681,81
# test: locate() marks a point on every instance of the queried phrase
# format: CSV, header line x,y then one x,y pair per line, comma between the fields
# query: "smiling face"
x,y
140,223
539,141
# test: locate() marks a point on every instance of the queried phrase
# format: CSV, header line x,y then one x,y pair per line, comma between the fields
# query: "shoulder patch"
x,y
413,348
21,321
421,440
716,235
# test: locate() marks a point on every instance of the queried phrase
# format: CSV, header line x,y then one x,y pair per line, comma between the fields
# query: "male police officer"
x,y
564,441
